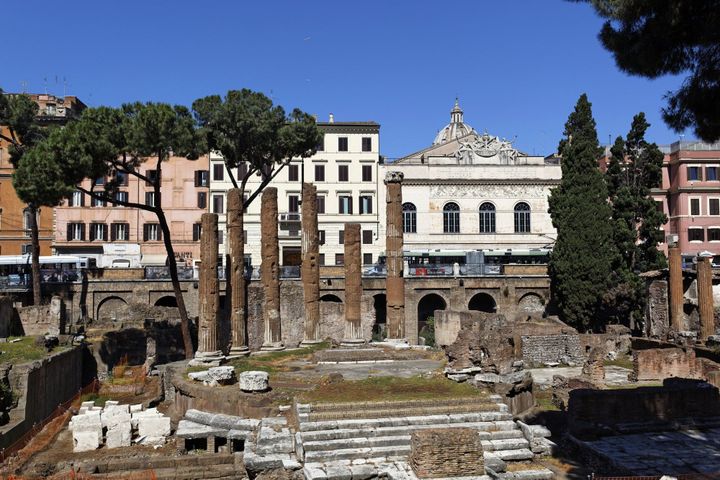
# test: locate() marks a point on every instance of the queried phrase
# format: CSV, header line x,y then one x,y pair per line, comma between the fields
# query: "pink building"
x,y
690,196
129,237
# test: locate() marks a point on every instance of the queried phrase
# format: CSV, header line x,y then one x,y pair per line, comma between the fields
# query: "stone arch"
x,y
329,297
482,302
531,302
166,301
108,308
426,308
380,307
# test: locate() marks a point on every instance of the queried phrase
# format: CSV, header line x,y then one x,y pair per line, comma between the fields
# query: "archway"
x,y
330,298
531,302
109,308
166,301
482,302
379,331
426,309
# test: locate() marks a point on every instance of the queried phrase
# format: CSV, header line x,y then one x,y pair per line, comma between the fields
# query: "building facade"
x,y
470,191
690,196
347,173
14,215
119,236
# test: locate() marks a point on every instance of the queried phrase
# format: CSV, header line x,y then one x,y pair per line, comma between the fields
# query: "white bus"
x,y
15,270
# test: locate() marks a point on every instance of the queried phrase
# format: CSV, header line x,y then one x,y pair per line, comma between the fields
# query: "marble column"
x,y
395,283
310,264
235,282
270,270
208,291
705,297
675,289
353,285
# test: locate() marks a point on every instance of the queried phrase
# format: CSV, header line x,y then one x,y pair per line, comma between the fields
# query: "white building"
x,y
346,172
471,191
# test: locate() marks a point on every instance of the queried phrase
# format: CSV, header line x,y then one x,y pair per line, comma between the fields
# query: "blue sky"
x,y
517,66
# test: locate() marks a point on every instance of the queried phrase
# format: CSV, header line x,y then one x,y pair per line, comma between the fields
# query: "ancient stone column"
x,y
675,287
208,289
705,297
236,281
270,270
310,264
395,283
353,285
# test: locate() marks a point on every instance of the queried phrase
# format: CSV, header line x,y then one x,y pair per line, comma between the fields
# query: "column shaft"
x,y
310,264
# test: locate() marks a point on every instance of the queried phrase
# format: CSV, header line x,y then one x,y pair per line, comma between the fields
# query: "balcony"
x,y
289,224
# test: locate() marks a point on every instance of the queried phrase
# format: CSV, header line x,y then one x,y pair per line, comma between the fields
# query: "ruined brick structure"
x,y
394,252
236,278
353,284
209,291
310,264
541,349
446,453
270,270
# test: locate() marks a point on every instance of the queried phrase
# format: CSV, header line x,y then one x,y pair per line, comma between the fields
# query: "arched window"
x,y
522,218
487,218
451,218
409,218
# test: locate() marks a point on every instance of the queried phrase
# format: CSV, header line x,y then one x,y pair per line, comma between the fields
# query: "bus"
x,y
15,270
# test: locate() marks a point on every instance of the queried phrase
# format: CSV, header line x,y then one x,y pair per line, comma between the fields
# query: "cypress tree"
x,y
582,259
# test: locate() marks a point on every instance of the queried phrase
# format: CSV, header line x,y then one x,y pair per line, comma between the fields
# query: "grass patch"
x,y
543,400
26,350
94,397
389,389
624,362
273,362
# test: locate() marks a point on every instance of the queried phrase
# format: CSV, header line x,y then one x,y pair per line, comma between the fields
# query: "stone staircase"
x,y
362,440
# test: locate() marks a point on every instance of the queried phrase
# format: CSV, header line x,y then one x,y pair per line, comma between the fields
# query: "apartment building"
x,y
347,173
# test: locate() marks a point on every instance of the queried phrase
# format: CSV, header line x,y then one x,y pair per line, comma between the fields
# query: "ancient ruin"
x,y
310,272
395,283
353,285
209,292
236,279
677,321
705,297
270,271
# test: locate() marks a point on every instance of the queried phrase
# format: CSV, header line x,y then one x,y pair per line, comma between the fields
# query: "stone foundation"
x,y
446,452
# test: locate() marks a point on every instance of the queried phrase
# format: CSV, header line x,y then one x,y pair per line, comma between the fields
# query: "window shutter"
x,y
91,235
340,205
105,233
145,233
82,199
159,233
82,232
197,178
69,232
350,202
113,232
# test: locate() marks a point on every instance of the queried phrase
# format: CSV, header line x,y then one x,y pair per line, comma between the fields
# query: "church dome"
x,y
455,129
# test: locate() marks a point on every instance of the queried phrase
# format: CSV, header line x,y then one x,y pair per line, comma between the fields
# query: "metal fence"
x,y
163,273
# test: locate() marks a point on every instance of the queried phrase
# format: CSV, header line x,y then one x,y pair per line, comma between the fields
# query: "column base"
x,y
310,343
207,359
396,343
352,343
272,347
238,352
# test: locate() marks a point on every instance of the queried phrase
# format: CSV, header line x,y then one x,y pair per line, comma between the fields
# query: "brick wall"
x,y
539,349
662,363
446,452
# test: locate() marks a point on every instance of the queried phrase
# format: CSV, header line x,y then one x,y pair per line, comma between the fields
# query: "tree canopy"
x,y
670,37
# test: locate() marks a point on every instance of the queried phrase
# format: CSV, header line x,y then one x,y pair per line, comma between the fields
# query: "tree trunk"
x,y
172,267
35,239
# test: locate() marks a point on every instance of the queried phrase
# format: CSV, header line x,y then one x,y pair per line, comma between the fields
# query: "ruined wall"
x,y
662,363
42,386
657,311
447,326
9,320
618,341
43,319
446,453
541,349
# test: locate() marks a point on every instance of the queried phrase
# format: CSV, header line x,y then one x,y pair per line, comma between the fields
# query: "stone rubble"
x,y
215,376
254,381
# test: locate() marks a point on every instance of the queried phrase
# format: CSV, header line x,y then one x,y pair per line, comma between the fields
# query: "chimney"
x,y
332,118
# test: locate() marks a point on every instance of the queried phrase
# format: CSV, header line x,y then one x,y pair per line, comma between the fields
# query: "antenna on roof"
x,y
23,86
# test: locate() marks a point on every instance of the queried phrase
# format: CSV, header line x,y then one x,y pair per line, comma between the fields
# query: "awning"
x,y
153,260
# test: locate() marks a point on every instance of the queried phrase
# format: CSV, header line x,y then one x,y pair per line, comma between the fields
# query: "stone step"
x,y
486,430
370,423
340,470
390,452
505,444
397,412
513,455
490,402
356,442
534,474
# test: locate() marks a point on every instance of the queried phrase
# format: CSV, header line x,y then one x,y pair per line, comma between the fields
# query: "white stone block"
x,y
136,408
153,426
118,435
86,440
111,418
254,381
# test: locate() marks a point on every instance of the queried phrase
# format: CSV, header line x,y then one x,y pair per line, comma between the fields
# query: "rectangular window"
x,y
119,232
293,204
711,174
245,237
121,178
150,199
220,240
293,173
367,144
367,237
366,202
696,235
97,202
219,172
714,206
367,259
197,230
218,204
714,234
694,206
693,174
339,259
341,237
342,144
319,173
202,200
659,206
320,204
345,205
152,177
100,181
321,259
202,178
152,232
343,174
77,199
242,170
367,173
121,197
320,147
98,231
76,231
321,237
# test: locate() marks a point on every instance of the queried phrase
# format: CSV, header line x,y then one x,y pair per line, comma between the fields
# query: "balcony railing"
x,y
163,273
